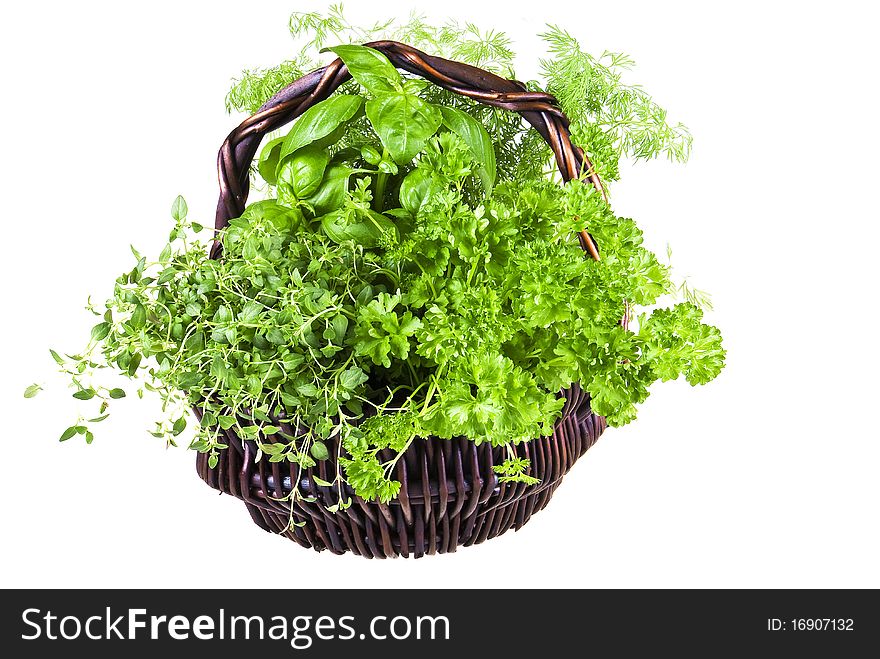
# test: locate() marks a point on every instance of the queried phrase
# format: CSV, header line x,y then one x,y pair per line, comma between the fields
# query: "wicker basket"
x,y
450,495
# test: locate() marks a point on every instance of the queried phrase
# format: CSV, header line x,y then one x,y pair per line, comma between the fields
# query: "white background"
x,y
766,477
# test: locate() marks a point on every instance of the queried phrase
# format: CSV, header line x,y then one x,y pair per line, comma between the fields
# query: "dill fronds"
x,y
611,120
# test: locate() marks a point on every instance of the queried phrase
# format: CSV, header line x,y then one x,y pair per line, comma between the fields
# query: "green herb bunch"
x,y
412,273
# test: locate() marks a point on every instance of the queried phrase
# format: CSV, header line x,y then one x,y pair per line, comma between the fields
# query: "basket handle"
x,y
541,110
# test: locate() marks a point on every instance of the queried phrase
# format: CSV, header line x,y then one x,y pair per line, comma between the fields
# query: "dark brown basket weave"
x,y
449,494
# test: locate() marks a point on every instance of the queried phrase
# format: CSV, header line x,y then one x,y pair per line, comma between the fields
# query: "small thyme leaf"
x,y
32,390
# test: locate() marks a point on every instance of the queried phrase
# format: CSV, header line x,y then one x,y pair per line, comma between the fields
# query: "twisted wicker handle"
x,y
539,109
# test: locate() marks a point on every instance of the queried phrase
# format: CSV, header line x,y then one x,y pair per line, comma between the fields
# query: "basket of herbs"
x,y
430,312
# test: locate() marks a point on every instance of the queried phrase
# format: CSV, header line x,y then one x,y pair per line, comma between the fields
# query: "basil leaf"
x,y
368,232
404,123
267,165
338,229
331,194
477,139
303,171
414,189
320,121
380,226
282,218
370,68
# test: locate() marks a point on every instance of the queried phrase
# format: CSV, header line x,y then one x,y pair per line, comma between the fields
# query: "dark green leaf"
x,y
339,325
319,451
167,275
67,434
138,317
331,193
415,188
280,217
352,378
117,393
373,230
303,170
370,68
251,311
100,331
320,120
270,156
370,155
308,390
477,139
134,363
84,394
404,123
272,449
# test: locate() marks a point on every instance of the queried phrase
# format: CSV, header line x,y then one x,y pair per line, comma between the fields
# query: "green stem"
x,y
381,182
472,273
379,197
412,371
432,388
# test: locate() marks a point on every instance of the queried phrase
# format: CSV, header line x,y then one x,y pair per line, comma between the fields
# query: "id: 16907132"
x,y
810,625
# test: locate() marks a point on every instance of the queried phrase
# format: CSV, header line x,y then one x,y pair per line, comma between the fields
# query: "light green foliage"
x,y
256,86
488,49
515,470
32,390
380,333
611,119
679,343
410,276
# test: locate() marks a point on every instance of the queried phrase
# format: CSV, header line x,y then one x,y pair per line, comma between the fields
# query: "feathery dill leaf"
x,y
489,49
256,86
611,119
